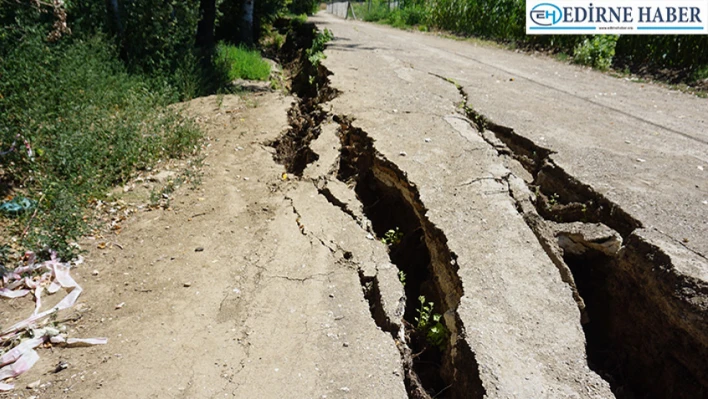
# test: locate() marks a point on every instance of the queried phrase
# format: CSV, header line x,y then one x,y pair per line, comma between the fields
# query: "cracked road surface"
x,y
554,217
598,151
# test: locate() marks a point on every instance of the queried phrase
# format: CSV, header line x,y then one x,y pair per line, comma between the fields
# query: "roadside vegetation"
x,y
85,89
239,62
676,59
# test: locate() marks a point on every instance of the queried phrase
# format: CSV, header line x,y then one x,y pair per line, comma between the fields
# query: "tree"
x,y
247,23
205,27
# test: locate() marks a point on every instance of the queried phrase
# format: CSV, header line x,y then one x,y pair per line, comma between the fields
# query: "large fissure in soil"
x,y
427,268
310,83
446,367
645,323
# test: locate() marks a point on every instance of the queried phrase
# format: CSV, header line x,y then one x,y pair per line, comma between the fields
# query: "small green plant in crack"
x,y
477,118
392,237
429,324
402,277
553,200
315,54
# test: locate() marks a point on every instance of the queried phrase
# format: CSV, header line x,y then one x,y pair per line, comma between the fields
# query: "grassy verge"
x,y
80,123
241,63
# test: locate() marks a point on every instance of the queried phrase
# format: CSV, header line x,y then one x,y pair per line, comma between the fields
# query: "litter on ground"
x,y
18,341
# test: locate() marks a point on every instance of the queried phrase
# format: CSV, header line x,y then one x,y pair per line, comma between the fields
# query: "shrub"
x,y
596,51
308,7
241,63
89,123
407,16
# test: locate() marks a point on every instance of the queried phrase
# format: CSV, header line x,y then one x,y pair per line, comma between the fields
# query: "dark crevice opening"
x,y
390,202
641,336
632,343
310,83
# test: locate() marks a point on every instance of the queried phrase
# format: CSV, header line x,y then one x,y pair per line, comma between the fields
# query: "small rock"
x,y
344,389
402,153
251,85
95,272
187,284
700,167
62,365
641,160
120,305
345,344
198,249
427,139
369,236
33,385
163,176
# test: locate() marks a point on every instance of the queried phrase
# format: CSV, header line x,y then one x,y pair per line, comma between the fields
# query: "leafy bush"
x,y
158,35
408,16
376,12
241,63
315,54
89,123
596,51
308,7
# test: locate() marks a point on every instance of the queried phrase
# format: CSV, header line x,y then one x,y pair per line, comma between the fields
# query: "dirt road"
x,y
550,219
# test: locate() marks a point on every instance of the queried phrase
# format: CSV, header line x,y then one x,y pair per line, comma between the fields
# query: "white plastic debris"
x,y
20,355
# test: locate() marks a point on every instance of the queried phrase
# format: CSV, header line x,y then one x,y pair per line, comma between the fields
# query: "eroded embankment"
x,y
645,322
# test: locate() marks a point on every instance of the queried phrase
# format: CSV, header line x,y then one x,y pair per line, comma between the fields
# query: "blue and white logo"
x,y
624,17
546,14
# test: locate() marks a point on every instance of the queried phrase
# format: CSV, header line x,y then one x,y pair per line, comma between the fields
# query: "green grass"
x,y
90,125
241,63
701,73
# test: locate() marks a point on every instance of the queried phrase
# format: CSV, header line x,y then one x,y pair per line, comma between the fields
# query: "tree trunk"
x,y
114,13
205,27
247,23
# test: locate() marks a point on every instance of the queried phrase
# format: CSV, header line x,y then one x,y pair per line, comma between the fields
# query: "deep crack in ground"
x,y
643,321
427,267
644,325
